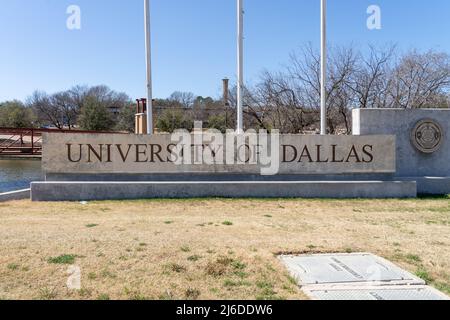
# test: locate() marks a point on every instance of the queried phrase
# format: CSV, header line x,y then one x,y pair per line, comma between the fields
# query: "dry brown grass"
x,y
207,249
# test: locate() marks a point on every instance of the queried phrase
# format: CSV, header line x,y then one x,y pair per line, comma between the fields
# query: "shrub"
x,y
171,120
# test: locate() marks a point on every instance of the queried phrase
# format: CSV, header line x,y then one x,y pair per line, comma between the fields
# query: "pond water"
x,y
17,174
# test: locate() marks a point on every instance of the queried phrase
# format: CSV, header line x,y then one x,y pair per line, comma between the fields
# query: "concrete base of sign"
x,y
432,185
425,185
15,195
76,191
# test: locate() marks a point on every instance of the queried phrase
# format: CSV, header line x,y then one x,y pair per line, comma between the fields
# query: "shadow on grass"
x,y
182,200
433,197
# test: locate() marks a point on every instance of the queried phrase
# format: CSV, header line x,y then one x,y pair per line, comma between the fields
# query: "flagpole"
x,y
323,68
148,51
240,65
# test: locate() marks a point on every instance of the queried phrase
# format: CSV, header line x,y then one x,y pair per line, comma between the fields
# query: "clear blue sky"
x,y
193,40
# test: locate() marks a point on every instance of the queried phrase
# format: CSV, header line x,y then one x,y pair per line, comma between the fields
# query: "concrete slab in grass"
x,y
357,276
347,269
391,293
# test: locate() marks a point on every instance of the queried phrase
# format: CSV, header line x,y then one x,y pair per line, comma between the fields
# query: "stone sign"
x,y
217,153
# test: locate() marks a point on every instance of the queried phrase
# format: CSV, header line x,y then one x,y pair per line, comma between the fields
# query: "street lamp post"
x,y
240,65
323,68
148,51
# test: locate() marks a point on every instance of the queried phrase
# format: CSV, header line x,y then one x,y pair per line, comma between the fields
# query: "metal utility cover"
x,y
378,293
346,269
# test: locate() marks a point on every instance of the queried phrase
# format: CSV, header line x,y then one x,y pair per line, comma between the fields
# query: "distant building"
x,y
115,110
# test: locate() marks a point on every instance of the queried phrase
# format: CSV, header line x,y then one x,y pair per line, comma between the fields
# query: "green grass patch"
x,y
423,274
292,280
264,284
134,295
267,291
413,258
47,294
229,283
241,274
440,210
108,274
13,266
91,225
138,297
84,293
175,267
238,265
185,249
227,223
103,297
62,259
444,287
194,258
92,276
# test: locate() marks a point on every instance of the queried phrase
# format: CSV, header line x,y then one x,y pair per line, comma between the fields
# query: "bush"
x,y
126,120
218,122
171,120
14,114
95,116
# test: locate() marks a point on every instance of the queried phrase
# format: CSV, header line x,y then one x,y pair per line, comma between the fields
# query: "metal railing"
x,y
20,142
28,141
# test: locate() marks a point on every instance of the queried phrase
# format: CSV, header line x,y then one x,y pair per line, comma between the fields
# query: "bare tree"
x,y
46,111
289,100
305,73
420,78
342,67
63,109
372,77
78,94
62,101
185,99
278,106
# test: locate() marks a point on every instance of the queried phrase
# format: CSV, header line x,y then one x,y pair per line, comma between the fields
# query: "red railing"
x,y
28,141
15,142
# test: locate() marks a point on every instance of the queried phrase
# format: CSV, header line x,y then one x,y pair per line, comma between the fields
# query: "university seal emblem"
x,y
427,136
